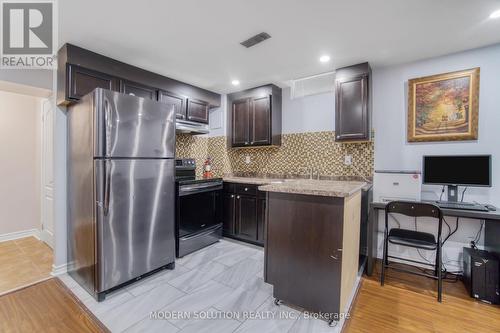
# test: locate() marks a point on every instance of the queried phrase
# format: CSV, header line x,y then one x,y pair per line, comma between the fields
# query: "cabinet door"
x,y
177,101
137,89
351,109
240,125
260,123
261,218
197,111
246,218
82,81
304,255
229,208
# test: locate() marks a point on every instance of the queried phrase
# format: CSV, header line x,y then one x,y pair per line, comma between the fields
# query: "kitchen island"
x,y
312,244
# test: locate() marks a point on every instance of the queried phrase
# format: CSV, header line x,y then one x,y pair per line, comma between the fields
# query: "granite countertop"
x,y
329,188
252,180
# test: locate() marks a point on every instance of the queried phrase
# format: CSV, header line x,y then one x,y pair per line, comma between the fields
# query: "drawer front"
x,y
229,187
246,189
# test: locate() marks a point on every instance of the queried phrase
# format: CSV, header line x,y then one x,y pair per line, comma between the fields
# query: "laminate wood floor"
x,y
22,262
408,303
47,306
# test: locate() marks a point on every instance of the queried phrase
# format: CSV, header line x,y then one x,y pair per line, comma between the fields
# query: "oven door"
x,y
199,216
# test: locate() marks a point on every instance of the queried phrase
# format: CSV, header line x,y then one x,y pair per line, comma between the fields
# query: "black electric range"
x,y
198,208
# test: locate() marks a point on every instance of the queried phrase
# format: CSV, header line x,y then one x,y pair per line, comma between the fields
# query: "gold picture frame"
x,y
444,107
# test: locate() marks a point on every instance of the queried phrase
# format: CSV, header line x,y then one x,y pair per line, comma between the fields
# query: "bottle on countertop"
x,y
207,168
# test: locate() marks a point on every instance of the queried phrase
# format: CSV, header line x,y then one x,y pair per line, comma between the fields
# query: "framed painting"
x,y
444,107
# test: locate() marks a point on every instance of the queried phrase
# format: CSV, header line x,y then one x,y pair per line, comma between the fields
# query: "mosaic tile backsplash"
x,y
299,150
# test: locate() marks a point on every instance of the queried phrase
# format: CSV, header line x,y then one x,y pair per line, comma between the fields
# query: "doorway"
x,y
26,194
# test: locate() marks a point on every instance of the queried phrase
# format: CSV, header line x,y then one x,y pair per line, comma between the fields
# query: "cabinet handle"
x,y
334,257
246,189
131,94
251,143
232,195
237,197
190,117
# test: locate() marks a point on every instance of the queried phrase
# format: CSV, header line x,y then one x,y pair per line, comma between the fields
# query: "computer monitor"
x,y
457,170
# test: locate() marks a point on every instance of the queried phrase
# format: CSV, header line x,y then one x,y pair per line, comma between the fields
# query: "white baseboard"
x,y
47,237
59,270
20,234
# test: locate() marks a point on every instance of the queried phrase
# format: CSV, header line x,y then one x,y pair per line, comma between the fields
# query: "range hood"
x,y
190,127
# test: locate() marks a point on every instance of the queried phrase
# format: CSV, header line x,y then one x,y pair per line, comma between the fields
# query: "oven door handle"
x,y
202,234
204,187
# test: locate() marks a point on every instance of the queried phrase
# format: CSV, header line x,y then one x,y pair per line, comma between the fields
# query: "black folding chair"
x,y
413,238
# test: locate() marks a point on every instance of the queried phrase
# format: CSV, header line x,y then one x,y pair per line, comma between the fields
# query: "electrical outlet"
x,y
247,159
348,159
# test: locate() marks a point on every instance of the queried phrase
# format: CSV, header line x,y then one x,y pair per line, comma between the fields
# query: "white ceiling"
x,y
197,41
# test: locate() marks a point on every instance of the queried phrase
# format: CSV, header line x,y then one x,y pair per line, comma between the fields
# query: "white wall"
x,y
39,78
393,152
20,122
313,113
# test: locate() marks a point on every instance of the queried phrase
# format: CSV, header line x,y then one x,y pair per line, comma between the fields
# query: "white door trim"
x,y
46,169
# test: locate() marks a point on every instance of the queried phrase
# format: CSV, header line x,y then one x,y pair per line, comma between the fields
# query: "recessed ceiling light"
x,y
324,58
235,82
495,14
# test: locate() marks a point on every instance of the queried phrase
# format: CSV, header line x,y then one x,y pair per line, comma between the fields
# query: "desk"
x,y
491,229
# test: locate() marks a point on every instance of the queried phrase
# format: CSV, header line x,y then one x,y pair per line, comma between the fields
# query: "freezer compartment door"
x,y
135,218
133,127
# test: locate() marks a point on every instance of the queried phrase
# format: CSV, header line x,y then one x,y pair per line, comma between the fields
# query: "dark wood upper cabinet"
x,y
353,103
137,89
81,81
261,121
179,103
197,111
255,117
240,122
80,71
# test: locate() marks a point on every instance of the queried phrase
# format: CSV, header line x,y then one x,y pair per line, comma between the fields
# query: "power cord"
x,y
451,233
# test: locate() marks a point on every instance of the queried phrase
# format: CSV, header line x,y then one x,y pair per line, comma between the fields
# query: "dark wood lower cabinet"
x,y
246,222
261,217
244,213
229,210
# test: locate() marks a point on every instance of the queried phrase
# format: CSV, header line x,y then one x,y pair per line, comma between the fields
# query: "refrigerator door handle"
x,y
108,123
107,187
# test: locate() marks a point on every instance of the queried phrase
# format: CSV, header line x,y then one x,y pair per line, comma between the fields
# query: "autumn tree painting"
x,y
443,107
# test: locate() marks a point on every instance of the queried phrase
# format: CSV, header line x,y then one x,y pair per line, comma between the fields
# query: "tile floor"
x,y
22,262
218,289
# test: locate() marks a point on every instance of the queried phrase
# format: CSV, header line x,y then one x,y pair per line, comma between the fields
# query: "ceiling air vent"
x,y
256,39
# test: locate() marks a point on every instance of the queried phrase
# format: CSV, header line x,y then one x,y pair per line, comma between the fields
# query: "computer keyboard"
x,y
462,206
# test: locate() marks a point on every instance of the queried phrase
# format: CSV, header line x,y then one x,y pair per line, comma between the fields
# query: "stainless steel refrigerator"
x,y
120,189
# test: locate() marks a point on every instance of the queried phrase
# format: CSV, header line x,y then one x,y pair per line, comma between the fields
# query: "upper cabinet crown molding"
x,y
353,91
254,117
88,70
